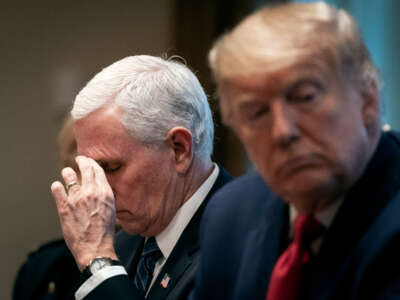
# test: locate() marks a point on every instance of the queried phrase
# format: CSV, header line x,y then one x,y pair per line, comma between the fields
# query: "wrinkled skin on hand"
x,y
86,212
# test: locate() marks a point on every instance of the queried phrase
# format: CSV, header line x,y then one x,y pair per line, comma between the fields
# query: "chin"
x,y
311,195
304,181
130,228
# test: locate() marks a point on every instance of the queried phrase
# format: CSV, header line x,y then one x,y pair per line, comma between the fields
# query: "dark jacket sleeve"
x,y
118,287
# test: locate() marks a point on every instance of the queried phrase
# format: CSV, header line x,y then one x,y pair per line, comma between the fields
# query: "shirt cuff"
x,y
96,279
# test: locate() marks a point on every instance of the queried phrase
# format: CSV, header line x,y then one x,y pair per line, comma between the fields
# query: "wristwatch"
x,y
96,264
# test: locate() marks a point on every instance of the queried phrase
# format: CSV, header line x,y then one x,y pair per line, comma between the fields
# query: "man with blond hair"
x,y
320,217
144,133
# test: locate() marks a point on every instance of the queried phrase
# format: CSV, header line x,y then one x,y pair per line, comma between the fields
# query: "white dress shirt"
x,y
166,239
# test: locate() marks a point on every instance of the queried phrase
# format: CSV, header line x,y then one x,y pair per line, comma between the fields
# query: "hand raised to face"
x,y
87,212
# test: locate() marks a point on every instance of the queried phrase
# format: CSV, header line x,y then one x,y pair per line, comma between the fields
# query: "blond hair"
x,y
280,34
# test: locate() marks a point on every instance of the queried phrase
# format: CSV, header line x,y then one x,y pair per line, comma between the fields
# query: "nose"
x,y
284,129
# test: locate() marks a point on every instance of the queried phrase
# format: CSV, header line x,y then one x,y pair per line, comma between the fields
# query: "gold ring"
x,y
71,184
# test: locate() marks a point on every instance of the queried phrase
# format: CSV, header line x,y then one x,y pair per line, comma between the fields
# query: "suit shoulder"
x,y
42,268
52,248
394,135
242,197
47,255
250,187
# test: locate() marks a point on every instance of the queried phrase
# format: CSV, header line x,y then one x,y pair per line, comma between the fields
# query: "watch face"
x,y
99,263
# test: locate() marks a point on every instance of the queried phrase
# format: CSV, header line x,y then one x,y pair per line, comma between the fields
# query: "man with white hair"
x,y
144,134
320,217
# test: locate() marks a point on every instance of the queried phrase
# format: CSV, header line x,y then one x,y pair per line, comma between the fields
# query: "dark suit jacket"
x,y
180,266
49,273
245,229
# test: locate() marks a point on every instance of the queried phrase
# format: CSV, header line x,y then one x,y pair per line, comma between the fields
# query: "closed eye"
x,y
109,167
252,111
260,112
305,91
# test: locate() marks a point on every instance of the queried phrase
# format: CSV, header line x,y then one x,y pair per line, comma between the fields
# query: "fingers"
x,y
92,178
86,169
86,210
91,171
59,193
71,179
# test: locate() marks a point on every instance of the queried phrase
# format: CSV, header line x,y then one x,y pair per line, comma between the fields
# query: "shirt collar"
x,y
325,217
167,238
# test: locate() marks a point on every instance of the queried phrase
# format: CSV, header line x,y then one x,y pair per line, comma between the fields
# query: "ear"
x,y
181,142
370,109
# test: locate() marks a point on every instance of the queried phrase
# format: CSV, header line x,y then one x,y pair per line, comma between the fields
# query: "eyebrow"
x,y
304,81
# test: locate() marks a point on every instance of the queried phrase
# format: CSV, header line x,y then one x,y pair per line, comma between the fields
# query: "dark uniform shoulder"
x,y
50,246
49,272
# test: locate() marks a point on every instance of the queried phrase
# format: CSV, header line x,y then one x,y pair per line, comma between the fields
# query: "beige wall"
x,y
49,49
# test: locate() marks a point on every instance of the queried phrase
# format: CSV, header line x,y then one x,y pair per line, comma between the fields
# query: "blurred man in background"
x,y
144,132
50,272
320,218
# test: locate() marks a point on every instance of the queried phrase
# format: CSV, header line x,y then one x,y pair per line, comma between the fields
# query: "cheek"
x,y
344,137
254,141
126,186
353,154
258,149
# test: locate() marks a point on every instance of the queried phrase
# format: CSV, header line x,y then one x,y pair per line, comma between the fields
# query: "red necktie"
x,y
286,276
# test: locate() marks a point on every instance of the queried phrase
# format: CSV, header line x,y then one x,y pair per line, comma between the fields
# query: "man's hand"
x,y
86,211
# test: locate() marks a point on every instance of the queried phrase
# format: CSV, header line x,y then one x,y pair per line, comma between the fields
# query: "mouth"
x,y
297,164
121,213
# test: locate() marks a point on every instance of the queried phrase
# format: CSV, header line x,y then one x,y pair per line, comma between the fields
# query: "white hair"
x,y
155,95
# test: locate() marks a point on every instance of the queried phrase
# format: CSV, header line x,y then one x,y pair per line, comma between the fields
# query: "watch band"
x,y
100,262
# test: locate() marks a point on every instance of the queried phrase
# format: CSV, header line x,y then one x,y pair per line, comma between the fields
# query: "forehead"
x,y
273,80
102,134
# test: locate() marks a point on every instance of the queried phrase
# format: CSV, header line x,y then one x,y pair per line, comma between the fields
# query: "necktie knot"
x,y
307,229
151,249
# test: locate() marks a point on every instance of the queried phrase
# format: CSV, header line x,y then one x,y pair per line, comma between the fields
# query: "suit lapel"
x,y
275,236
361,207
176,265
264,245
186,250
